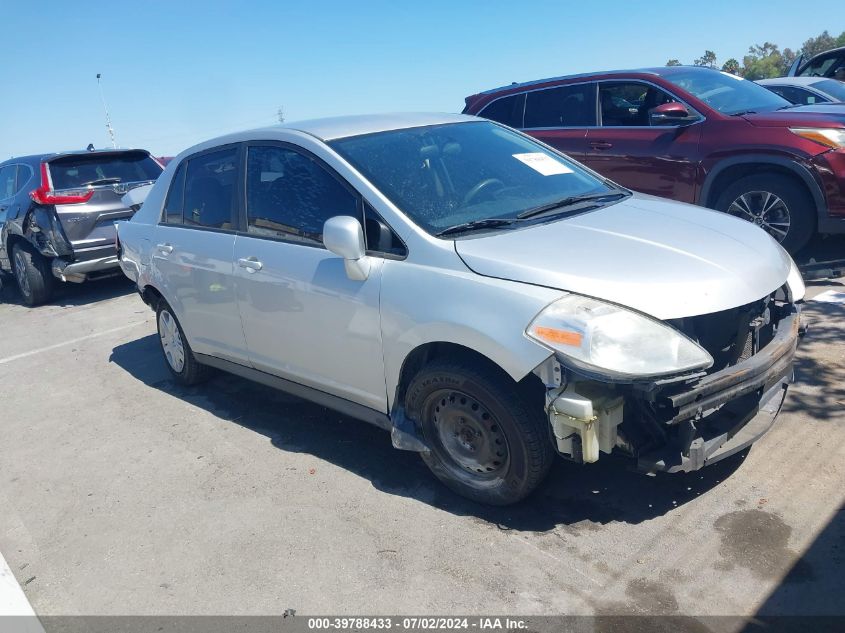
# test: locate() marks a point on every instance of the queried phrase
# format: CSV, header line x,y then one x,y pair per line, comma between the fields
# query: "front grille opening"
x,y
735,335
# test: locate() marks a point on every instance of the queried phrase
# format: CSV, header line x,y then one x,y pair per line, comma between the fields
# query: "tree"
x,y
765,61
731,66
819,44
673,62
708,59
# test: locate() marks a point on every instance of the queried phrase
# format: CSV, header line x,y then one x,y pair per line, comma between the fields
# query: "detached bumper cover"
x,y
727,411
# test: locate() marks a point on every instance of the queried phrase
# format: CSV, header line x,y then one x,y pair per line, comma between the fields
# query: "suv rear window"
x,y
566,106
69,172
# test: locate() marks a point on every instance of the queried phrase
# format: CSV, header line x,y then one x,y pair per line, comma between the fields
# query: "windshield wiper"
x,y
568,202
486,223
100,181
744,112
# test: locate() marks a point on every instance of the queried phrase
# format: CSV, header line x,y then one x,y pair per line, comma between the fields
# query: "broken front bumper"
x,y
726,411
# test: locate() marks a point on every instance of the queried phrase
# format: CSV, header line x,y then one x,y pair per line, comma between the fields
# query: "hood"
x,y
822,115
663,258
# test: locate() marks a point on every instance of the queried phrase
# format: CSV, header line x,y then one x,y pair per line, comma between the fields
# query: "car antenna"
x,y
106,110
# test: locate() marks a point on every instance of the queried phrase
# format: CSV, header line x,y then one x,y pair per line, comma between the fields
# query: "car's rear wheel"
x,y
487,443
776,204
33,275
176,349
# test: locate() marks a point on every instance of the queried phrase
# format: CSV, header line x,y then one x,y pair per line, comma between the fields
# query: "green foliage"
x,y
708,59
731,66
767,60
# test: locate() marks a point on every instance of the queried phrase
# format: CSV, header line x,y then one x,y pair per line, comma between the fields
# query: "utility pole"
x,y
106,110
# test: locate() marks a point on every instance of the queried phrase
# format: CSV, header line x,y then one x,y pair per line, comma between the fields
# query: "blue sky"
x,y
175,73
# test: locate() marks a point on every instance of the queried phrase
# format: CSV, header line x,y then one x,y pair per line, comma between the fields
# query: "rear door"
x,y
560,116
108,176
192,252
303,318
658,160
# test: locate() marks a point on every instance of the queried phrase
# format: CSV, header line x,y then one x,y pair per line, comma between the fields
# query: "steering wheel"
x,y
472,193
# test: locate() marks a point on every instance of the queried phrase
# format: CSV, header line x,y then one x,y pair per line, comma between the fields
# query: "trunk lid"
x,y
107,176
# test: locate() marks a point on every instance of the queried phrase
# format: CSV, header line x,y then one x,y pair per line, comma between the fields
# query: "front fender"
x,y
421,305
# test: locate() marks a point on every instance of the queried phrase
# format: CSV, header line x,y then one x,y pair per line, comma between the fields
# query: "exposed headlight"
x,y
795,283
611,341
829,136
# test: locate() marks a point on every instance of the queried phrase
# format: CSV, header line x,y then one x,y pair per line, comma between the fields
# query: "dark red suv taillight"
x,y
45,195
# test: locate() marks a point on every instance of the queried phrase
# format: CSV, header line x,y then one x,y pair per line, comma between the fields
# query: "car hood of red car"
x,y
823,115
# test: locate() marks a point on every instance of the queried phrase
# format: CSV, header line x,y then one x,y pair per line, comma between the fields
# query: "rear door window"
x,y
507,110
210,184
823,67
566,106
175,198
82,170
291,195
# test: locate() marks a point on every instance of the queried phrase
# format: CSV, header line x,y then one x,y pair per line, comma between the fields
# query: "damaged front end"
x,y
683,422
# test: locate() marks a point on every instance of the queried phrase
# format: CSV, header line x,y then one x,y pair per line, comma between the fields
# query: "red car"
x,y
694,135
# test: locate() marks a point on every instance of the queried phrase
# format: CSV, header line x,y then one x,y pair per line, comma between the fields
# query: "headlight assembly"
x,y
829,136
611,341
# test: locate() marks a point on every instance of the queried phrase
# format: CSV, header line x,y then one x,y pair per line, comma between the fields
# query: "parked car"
x,y
824,64
696,135
57,215
806,90
489,301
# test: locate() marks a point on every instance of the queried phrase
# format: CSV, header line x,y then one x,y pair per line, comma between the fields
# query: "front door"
x,y
303,318
192,253
658,160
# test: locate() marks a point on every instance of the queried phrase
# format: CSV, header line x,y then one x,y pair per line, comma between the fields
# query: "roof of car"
x,y
340,127
656,71
37,158
797,81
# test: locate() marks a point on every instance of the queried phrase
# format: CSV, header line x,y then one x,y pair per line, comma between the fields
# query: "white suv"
x,y
486,299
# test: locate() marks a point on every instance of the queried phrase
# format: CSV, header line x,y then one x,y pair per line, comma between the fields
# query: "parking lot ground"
x,y
121,493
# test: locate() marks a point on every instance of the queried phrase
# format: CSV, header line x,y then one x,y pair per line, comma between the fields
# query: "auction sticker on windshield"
x,y
543,163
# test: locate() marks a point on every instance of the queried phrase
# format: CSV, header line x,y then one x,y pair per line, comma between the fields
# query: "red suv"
x,y
695,135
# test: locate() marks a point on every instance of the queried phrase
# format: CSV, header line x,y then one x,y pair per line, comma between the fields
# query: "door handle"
x,y
164,249
600,145
251,264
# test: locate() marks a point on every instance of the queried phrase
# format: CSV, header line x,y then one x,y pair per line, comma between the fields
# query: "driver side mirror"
x,y
344,236
672,113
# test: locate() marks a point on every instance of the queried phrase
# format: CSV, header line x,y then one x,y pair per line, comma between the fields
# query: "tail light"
x,y
45,195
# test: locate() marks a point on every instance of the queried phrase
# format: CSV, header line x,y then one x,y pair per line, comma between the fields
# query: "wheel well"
x,y
530,386
10,244
733,173
151,296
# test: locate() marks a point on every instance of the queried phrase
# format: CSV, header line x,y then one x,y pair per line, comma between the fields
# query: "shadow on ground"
x,y
70,294
573,494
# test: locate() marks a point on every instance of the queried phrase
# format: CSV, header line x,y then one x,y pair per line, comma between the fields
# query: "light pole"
x,y
106,110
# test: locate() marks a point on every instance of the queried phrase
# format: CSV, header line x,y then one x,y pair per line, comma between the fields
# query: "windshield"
x,y
727,93
450,174
834,88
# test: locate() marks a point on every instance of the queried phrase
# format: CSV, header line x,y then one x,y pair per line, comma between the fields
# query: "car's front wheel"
x,y
177,352
487,442
777,204
33,275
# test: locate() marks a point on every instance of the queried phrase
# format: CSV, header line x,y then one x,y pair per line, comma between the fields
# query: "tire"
x,y
178,355
487,443
33,275
769,201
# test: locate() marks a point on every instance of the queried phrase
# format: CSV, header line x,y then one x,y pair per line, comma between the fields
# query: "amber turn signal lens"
x,y
562,337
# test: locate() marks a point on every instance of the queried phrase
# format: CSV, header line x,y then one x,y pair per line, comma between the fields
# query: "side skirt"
x,y
336,403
